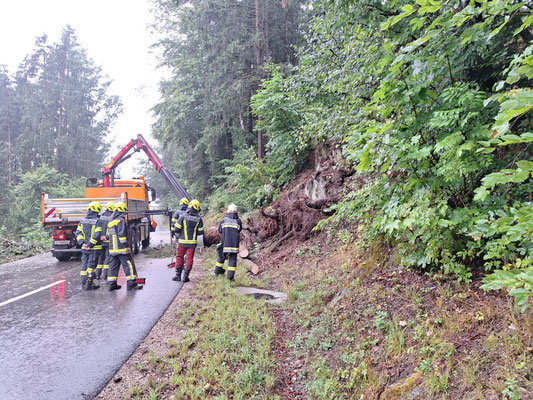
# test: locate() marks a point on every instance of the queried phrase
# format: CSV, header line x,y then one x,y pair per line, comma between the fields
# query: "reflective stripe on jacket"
x,y
188,227
118,235
88,231
230,228
105,218
179,212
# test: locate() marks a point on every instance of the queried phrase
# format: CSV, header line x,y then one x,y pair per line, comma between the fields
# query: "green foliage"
x,y
249,182
55,113
216,50
24,213
432,102
519,282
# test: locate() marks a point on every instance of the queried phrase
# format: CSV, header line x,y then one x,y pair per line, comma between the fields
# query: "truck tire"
x,y
146,242
134,241
62,256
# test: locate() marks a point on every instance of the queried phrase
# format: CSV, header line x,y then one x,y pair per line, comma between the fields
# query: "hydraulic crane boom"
x,y
138,145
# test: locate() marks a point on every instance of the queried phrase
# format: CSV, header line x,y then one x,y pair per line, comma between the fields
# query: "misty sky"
x,y
115,34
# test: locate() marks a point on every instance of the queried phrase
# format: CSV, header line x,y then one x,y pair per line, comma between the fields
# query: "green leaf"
x,y
364,161
525,165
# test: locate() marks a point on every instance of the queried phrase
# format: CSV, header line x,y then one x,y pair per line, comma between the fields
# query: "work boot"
x,y
231,275
219,271
90,285
113,286
177,278
132,285
185,276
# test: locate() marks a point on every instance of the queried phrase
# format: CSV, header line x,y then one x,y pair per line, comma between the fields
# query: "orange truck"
x,y
62,216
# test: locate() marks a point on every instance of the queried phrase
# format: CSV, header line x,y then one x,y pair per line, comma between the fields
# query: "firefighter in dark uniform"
x,y
102,267
230,228
182,209
88,237
187,229
119,252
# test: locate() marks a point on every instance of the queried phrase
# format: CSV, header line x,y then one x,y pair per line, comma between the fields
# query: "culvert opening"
x,y
259,296
268,295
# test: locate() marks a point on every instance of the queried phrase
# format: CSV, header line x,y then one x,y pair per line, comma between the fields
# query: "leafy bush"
x,y
24,213
252,182
432,102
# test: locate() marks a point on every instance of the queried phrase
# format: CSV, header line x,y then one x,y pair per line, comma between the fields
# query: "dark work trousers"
x,y
181,254
88,263
232,262
115,261
100,257
105,263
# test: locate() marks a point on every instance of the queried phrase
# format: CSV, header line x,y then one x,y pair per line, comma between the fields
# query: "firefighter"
x,y
182,209
102,267
230,228
88,237
187,228
119,252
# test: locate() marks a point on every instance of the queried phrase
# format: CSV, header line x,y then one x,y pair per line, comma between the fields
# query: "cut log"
x,y
250,265
243,251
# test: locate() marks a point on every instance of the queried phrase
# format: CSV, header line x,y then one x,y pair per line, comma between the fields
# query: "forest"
x,y
429,102
416,115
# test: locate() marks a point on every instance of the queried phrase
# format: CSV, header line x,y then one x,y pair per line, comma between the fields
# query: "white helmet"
x,y
232,208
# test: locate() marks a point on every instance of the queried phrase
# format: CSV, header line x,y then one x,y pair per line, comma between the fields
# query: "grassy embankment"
x,y
224,351
360,326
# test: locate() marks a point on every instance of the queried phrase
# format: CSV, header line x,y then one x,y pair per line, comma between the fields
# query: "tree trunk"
x,y
260,145
266,30
250,265
285,50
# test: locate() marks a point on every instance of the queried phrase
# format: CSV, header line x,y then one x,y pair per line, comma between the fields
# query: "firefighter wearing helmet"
x,y
187,228
119,251
230,228
102,267
88,238
182,209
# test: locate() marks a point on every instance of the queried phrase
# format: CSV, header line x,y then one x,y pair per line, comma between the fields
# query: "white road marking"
x,y
30,293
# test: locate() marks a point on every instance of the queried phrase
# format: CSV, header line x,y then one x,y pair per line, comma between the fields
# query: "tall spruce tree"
x,y
216,50
66,110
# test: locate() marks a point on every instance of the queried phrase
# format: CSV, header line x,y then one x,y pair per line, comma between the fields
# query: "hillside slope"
x,y
356,323
359,325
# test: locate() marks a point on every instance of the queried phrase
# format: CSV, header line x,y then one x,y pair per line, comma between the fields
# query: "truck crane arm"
x,y
139,144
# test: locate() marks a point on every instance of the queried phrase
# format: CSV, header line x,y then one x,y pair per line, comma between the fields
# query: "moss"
x,y
401,388
378,256
490,342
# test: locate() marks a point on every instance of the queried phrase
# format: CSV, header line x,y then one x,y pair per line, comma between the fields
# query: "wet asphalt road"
x,y
66,343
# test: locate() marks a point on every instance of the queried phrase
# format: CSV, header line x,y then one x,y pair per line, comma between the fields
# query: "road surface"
x,y
60,342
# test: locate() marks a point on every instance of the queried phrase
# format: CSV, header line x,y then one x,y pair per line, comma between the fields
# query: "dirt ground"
x,y
156,342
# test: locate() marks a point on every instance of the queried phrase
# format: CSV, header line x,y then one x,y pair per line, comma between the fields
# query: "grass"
x,y
223,353
161,251
361,331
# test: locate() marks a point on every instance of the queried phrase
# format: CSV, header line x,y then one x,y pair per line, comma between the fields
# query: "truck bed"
x,y
69,211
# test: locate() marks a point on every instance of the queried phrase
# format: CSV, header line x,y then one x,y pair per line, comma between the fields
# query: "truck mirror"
x,y
152,194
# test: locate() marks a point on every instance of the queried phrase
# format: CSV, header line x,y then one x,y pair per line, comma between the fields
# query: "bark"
x,y
260,145
250,265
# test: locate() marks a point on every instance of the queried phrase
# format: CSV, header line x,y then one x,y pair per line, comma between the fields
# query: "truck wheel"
x,y
146,242
134,241
62,256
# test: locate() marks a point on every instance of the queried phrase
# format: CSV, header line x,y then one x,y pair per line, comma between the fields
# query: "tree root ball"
x,y
211,237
